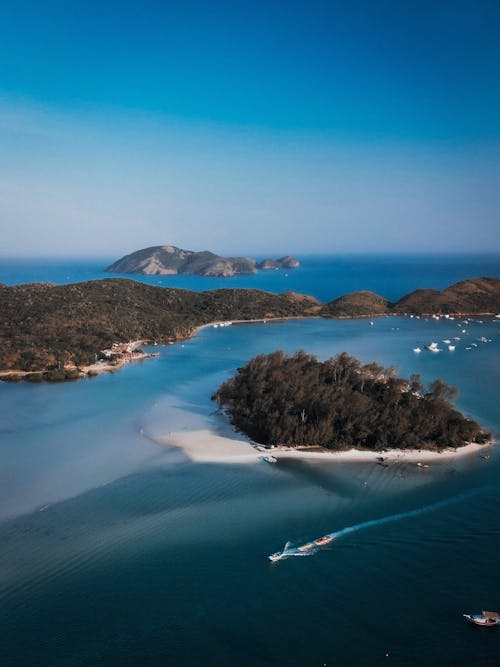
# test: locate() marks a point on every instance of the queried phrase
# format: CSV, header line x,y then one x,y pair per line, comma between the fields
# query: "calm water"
x,y
117,551
323,277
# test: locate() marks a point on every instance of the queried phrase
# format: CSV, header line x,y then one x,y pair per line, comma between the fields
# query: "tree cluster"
x,y
339,404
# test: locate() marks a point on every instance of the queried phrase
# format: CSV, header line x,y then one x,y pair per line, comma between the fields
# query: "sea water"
x,y
115,550
324,277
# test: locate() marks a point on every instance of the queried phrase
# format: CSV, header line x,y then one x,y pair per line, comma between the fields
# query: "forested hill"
x,y
44,325
468,297
277,399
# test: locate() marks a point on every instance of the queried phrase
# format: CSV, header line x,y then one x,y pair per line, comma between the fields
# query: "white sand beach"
x,y
205,445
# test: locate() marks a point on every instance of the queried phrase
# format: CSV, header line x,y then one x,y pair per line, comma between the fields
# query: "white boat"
x,y
422,465
270,459
446,341
451,348
417,350
432,346
274,558
485,619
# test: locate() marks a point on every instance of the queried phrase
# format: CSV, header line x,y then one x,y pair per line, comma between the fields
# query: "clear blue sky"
x,y
249,126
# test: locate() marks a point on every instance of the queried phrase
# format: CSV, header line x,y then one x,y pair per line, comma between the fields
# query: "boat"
x,y
451,348
323,540
486,619
275,557
433,347
270,459
447,341
306,547
417,350
422,465
485,457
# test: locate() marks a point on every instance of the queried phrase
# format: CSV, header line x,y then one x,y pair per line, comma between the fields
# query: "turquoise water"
x,y
118,551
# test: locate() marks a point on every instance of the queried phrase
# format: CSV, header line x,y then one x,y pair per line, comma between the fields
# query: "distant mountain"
x,y
167,259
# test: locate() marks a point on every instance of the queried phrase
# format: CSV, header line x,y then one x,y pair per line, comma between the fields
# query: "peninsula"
x,y
298,401
170,260
59,331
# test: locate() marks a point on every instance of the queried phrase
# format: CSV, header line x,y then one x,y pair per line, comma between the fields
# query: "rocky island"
x,y
170,260
287,262
298,401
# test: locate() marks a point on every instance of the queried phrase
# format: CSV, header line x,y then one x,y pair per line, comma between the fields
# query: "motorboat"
x,y
486,619
275,557
323,540
451,348
417,350
422,465
270,459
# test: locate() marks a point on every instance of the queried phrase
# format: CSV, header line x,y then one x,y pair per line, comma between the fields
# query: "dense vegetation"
x,y
339,404
468,297
45,326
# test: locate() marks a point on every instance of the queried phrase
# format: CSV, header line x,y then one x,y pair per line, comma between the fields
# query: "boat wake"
x,y
311,548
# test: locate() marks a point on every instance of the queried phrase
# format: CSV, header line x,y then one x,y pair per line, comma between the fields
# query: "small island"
x,y
297,401
287,262
170,260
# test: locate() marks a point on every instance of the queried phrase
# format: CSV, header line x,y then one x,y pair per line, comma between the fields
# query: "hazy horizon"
x,y
293,128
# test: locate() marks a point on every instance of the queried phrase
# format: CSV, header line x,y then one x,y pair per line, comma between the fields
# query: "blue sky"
x,y
244,127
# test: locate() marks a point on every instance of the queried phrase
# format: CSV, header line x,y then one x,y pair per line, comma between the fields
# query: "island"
x,y
287,262
297,401
68,331
170,260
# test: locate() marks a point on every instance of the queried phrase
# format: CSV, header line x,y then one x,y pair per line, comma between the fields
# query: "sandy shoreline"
x,y
206,446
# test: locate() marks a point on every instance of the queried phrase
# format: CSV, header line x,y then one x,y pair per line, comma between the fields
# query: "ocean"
x,y
115,550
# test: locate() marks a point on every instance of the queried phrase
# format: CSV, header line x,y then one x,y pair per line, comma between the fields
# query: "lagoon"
x,y
117,550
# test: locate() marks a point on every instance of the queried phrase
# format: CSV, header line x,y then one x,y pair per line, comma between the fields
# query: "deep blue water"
x,y
115,550
323,277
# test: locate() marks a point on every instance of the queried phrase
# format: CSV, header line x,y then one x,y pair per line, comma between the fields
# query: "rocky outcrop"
x,y
287,262
168,260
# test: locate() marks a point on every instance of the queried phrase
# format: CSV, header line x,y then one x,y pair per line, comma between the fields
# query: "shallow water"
x,y
117,551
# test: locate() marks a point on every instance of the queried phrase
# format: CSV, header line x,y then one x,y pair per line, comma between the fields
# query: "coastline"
x,y
207,446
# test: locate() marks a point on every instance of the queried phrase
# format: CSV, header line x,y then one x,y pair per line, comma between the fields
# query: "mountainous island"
x,y
169,260
298,401
58,332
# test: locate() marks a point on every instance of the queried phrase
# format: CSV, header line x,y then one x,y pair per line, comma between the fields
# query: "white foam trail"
x,y
294,551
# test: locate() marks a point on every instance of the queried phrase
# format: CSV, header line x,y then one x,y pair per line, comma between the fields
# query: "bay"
x,y
116,550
